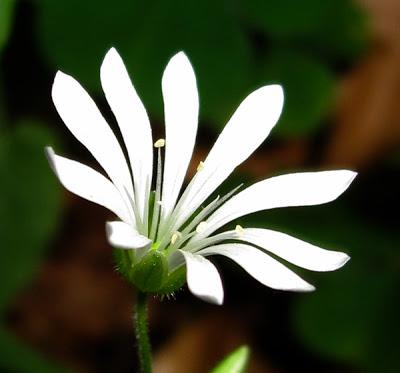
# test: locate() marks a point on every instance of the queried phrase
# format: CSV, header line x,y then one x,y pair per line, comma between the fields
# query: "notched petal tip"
x,y
111,57
50,154
111,52
60,77
277,90
60,74
346,177
265,102
62,84
210,299
306,289
217,299
342,261
179,64
273,92
180,56
109,230
351,175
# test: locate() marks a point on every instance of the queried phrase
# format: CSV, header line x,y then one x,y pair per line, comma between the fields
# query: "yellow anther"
x,y
175,237
239,230
201,227
200,166
159,143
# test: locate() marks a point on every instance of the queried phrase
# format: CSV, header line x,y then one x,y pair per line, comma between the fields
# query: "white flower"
x,y
173,224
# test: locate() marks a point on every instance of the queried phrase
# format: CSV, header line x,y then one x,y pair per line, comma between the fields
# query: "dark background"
x,y
62,305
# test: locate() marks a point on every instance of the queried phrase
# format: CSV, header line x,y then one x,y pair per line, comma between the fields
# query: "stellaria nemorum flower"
x,y
164,233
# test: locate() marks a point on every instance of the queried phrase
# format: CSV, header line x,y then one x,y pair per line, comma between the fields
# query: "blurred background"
x,y
62,305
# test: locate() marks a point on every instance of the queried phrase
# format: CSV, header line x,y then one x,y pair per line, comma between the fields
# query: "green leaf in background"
x,y
235,362
308,87
286,19
340,320
6,16
333,28
29,209
343,34
16,357
351,317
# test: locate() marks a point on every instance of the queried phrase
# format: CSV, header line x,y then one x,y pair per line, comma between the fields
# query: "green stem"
x,y
142,333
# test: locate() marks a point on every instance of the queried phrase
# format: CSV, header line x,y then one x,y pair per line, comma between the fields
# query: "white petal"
x,y
82,117
181,106
88,183
295,251
133,122
261,266
123,236
203,278
245,131
298,189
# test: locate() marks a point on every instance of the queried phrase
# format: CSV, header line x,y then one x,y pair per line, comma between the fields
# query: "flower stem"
x,y
142,334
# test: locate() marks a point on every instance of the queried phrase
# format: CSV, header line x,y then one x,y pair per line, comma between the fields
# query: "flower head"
x,y
161,231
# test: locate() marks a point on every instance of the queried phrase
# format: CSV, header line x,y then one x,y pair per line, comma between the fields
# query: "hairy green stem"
x,y
142,334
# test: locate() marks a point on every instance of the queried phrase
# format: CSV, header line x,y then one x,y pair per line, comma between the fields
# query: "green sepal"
x,y
175,280
124,264
151,272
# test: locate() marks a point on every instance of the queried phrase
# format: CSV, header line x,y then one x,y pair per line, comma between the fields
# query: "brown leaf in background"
x,y
199,345
368,115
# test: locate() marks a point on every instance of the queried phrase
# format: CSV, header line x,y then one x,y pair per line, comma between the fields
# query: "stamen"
x,y
159,143
175,237
201,227
146,208
200,216
239,230
205,242
209,209
200,166
157,202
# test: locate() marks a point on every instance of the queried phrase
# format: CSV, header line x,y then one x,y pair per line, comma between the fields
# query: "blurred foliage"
x,y
29,212
16,357
6,16
235,362
352,316
30,205
234,47
297,73
333,28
